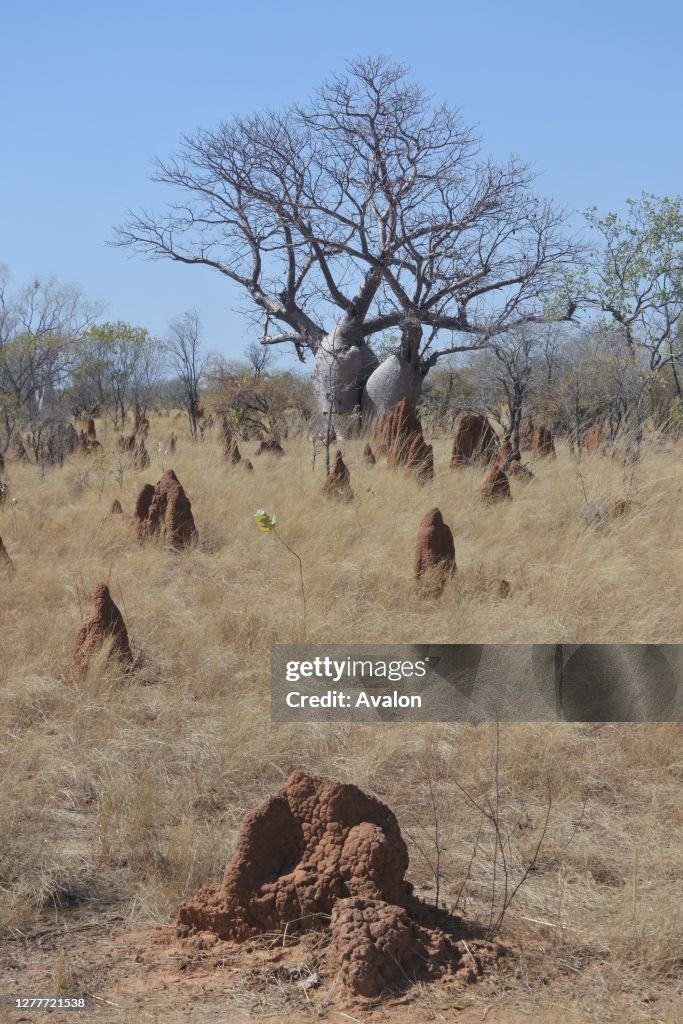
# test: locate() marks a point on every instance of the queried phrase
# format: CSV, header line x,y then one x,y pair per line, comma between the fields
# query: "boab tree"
x,y
366,210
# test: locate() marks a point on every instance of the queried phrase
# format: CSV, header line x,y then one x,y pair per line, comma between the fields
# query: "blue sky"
x,y
589,93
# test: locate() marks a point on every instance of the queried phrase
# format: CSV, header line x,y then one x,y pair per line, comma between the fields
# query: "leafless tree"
x,y
258,357
526,358
596,371
502,377
185,358
515,357
363,211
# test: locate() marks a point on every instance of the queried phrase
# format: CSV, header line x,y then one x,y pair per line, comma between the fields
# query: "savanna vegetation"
x,y
122,790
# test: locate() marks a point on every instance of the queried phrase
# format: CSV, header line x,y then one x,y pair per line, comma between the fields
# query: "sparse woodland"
x,y
143,581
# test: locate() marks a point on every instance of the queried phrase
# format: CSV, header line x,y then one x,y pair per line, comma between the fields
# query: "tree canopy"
x,y
366,209
634,276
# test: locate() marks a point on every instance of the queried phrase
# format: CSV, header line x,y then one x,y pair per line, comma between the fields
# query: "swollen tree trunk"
x,y
344,361
340,370
399,376
392,381
349,380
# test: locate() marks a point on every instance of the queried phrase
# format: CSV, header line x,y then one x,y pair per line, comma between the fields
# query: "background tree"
x,y
118,364
148,373
258,357
518,375
263,403
188,364
40,326
635,278
594,372
514,352
449,388
363,211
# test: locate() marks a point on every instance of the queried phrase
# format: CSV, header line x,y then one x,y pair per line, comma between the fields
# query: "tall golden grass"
x,y
130,789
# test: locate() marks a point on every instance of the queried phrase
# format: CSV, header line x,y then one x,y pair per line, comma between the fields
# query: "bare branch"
x,y
361,209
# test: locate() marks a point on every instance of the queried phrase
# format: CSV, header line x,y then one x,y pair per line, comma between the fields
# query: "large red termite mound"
x,y
322,854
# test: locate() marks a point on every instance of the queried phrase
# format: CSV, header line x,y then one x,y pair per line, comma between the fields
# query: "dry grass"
x,y
131,789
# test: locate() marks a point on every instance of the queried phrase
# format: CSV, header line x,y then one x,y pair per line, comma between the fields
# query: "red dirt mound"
x,y
91,432
510,462
474,441
379,945
400,429
434,549
231,451
116,508
87,444
105,622
399,436
320,851
166,509
338,482
140,454
135,444
542,443
420,460
594,436
143,502
495,486
310,844
141,425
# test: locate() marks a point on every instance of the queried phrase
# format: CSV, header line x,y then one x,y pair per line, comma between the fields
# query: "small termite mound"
x,y
165,510
105,623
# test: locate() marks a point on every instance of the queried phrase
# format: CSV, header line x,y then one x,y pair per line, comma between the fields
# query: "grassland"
x,y
126,792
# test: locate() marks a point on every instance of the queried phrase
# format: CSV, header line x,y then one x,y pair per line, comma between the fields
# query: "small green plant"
x,y
266,524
